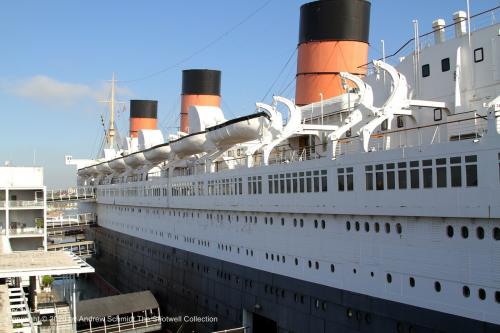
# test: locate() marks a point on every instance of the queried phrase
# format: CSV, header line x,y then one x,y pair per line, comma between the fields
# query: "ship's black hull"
x,y
186,283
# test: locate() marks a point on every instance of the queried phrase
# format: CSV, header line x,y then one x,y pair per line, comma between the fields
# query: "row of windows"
x,y
298,182
464,232
227,186
445,63
376,227
426,174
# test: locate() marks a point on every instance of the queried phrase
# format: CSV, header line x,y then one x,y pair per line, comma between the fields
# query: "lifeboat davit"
x,y
238,130
158,153
135,160
118,164
190,144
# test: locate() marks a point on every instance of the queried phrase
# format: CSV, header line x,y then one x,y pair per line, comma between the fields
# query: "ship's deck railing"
x,y
123,323
470,127
75,193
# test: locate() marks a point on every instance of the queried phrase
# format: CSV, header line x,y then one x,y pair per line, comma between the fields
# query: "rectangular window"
x,y
295,184
350,179
308,184
445,64
391,180
259,184
478,55
340,179
324,181
282,183
379,177
426,70
438,114
369,177
301,182
427,173
400,121
456,171
471,170
441,179
270,184
276,184
414,174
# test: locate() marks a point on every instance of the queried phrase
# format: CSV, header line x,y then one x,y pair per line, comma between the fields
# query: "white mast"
x,y
111,132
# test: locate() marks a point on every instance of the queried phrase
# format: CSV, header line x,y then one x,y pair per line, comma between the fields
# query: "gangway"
x,y
84,249
61,224
86,193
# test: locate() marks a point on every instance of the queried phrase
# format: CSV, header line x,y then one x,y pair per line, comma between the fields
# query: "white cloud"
x,y
46,90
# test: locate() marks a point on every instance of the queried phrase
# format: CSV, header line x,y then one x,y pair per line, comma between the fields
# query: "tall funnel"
x,y
143,115
333,38
199,87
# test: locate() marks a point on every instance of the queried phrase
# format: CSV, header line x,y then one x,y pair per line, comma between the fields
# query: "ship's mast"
x,y
111,131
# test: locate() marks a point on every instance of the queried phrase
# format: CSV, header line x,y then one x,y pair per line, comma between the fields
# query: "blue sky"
x,y
56,56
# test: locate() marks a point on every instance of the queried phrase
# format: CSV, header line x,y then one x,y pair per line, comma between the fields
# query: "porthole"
x,y
283,259
466,291
357,226
316,224
372,274
267,256
480,232
399,228
377,227
367,227
348,225
282,221
323,306
482,294
349,313
332,268
354,270
368,318
301,223
496,233
309,263
271,221
296,261
465,232
272,256
497,296
387,228
412,282
437,286
316,265
359,316
389,278
316,303
449,231
294,222
323,224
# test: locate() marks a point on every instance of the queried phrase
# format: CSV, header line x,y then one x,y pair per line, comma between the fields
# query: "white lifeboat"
x,y
118,164
238,130
190,144
158,153
104,169
135,160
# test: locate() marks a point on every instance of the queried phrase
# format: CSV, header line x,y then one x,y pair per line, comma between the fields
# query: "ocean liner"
x,y
369,203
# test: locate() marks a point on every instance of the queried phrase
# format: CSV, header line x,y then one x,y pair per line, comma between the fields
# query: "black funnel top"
x,y
335,20
201,82
143,108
